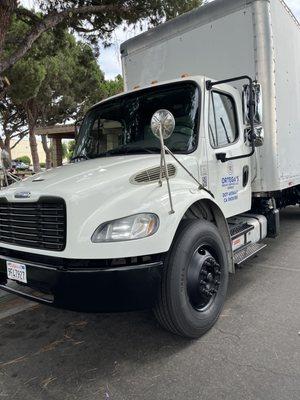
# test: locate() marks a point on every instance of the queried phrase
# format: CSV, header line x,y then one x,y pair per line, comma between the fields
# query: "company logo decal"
x,y
230,183
23,195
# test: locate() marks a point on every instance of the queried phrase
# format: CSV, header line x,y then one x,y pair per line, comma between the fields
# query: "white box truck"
x,y
174,182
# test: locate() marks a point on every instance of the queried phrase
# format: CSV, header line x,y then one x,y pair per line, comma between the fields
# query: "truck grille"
x,y
39,225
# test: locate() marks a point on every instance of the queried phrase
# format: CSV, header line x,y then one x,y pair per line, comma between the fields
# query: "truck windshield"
x,y
122,125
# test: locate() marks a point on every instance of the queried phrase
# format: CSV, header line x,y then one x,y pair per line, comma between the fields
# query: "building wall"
x,y
23,149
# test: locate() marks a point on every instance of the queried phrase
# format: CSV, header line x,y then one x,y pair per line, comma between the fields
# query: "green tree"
x,y
57,80
112,87
13,124
94,19
71,148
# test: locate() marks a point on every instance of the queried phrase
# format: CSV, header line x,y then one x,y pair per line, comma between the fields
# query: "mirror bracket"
x,y
221,157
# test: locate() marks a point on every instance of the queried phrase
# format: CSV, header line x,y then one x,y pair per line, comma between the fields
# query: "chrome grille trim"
x,y
152,175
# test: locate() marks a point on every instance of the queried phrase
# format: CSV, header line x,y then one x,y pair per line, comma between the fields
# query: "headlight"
x,y
130,228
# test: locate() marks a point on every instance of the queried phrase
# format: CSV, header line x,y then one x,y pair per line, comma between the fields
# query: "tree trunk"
x,y
7,145
31,119
7,8
34,149
47,151
2,144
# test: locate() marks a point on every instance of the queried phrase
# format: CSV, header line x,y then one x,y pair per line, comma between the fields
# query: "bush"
x,y
71,147
42,165
25,159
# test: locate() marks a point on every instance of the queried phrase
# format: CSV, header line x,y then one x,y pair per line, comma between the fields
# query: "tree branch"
x,y
18,141
24,12
50,21
86,30
18,134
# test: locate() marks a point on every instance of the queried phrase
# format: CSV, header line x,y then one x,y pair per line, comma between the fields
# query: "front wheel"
x,y
195,280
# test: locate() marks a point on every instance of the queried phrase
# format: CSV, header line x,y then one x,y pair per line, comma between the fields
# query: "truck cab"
x,y
99,233
174,183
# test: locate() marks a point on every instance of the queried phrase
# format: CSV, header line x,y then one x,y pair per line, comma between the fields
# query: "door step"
x,y
240,229
243,254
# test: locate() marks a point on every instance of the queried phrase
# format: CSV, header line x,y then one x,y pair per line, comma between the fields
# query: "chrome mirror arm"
x,y
200,186
164,166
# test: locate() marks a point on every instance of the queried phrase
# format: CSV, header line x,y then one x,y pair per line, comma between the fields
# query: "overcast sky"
x,y
109,59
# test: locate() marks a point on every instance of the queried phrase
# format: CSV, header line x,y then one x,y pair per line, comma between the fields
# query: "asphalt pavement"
x,y
252,353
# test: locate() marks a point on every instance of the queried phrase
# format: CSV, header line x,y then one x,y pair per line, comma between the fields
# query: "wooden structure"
x,y
56,134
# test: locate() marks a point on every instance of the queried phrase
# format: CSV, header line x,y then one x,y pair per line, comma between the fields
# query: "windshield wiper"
x,y
79,157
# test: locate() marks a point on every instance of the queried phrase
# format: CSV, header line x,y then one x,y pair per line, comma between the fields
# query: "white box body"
x,y
224,39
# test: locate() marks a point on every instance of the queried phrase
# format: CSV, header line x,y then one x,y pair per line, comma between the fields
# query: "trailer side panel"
x,y
286,32
219,48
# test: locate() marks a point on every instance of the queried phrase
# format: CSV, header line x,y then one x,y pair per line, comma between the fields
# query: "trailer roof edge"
x,y
200,16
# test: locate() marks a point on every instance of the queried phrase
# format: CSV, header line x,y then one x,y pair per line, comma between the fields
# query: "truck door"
x,y
229,181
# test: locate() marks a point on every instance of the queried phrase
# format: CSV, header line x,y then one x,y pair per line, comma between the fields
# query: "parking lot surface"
x,y
252,353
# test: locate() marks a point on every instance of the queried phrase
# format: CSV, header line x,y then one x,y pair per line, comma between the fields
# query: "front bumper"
x,y
56,282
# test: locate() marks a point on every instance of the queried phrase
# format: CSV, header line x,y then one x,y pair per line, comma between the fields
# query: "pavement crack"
x,y
47,381
228,333
66,339
14,361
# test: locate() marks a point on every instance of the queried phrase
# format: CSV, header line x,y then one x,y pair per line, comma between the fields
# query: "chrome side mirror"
x,y
259,136
258,115
258,103
163,124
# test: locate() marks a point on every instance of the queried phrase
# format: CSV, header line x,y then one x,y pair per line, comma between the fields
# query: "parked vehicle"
x,y
173,183
19,165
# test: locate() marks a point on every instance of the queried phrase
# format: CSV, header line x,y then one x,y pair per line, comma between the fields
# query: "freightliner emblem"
x,y
23,195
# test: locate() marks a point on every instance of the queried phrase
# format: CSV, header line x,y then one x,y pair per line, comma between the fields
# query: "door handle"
x,y
245,175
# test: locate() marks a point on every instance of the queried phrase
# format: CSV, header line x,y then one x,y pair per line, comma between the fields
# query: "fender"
x,y
188,203
209,210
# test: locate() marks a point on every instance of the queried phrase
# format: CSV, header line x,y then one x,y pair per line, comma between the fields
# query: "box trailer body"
x,y
259,38
173,183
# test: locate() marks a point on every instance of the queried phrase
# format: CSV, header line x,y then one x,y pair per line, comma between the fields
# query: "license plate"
x,y
16,272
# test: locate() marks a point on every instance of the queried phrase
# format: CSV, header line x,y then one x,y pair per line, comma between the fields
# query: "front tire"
x,y
194,284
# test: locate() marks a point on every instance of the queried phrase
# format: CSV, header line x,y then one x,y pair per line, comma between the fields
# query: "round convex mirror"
x,y
163,120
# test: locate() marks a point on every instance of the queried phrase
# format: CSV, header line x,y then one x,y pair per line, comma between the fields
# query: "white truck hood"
x,y
91,175
100,190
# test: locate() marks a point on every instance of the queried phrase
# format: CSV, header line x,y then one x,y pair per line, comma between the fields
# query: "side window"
x,y
223,128
105,135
